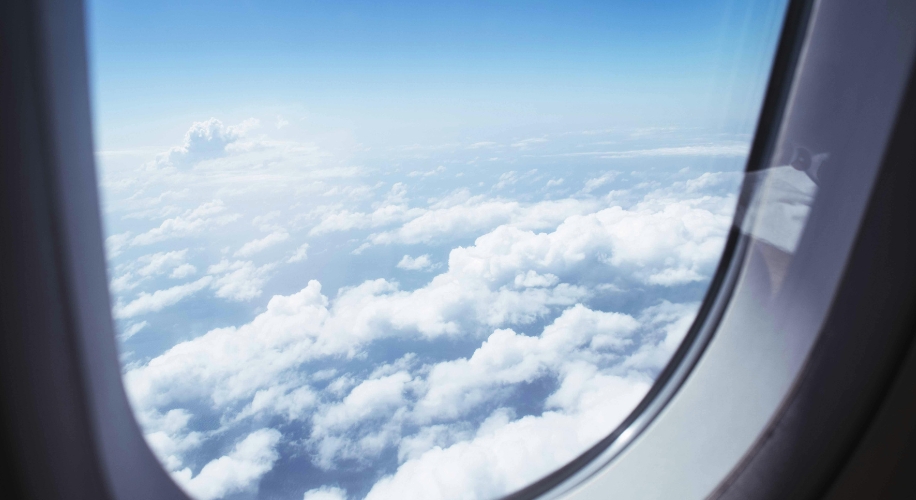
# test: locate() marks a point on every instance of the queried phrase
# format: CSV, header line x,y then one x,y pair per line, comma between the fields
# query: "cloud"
x,y
205,140
509,276
183,271
123,283
160,299
595,183
418,173
392,209
325,493
238,471
507,358
374,399
158,263
133,329
239,280
300,254
477,214
227,365
506,179
258,245
734,149
415,264
345,220
551,373
528,143
168,436
507,454
191,223
115,243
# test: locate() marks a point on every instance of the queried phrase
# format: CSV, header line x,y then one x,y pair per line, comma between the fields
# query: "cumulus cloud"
x,y
507,454
160,299
596,182
510,276
168,436
419,173
190,223
415,264
133,329
115,243
261,244
158,263
475,214
506,179
238,471
393,209
205,140
511,362
183,271
300,254
325,493
732,149
238,280
507,358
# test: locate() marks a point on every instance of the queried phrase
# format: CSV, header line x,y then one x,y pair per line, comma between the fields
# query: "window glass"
x,y
410,249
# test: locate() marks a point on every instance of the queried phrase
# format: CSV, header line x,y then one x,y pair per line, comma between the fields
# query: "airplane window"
x,y
419,249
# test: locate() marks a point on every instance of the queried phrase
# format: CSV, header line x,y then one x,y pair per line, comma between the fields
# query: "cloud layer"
x,y
441,333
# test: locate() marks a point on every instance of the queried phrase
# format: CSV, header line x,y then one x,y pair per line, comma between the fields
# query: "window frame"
x,y
67,430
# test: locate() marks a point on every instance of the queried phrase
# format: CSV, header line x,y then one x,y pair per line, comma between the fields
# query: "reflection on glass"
x,y
781,197
415,251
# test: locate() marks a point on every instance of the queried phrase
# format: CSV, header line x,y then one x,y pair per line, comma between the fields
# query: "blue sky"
x,y
450,68
410,250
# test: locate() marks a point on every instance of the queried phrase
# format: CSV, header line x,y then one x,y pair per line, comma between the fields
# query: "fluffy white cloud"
x,y
375,399
183,271
158,263
238,280
509,276
168,436
476,214
115,243
734,149
524,293
364,401
507,358
507,454
325,493
192,222
261,244
160,299
428,173
415,264
597,182
133,329
661,243
300,254
226,365
204,141
393,209
506,179
238,471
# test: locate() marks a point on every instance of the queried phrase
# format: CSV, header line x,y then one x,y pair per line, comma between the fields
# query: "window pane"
x,y
410,250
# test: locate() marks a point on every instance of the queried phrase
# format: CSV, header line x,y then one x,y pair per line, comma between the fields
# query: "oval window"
x,y
410,250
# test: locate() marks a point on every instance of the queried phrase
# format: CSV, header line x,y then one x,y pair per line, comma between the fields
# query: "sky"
x,y
410,249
